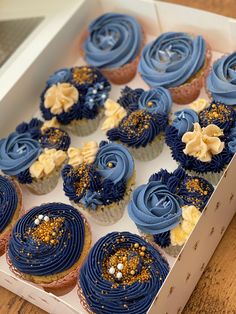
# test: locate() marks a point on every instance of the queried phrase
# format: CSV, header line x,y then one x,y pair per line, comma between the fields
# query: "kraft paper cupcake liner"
x,y
60,281
46,184
84,126
149,152
212,177
108,214
188,92
118,76
4,236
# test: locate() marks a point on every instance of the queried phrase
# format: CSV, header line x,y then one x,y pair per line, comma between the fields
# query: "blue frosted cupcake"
x,y
75,97
48,245
221,81
122,274
10,208
168,207
199,140
177,61
139,120
34,155
113,44
99,180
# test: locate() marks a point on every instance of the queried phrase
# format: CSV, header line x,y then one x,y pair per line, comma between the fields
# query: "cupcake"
x,y
139,120
122,274
48,244
10,208
34,155
164,216
177,61
113,44
75,97
199,139
221,81
99,179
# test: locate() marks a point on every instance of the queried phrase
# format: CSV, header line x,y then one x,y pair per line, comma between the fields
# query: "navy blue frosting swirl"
x,y
33,127
162,239
217,163
232,139
129,98
8,201
55,138
24,177
219,114
46,259
184,120
139,128
135,298
93,92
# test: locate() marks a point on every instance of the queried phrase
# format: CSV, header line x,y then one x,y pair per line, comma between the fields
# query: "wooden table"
x,y
216,290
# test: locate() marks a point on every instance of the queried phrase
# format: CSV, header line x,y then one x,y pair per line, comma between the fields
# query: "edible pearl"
x,y
120,266
110,164
112,270
150,103
119,275
143,248
40,217
142,254
132,272
104,96
136,245
46,218
37,221
94,91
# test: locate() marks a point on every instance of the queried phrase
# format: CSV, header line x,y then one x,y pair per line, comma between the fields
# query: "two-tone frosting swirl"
x,y
8,201
122,274
32,254
114,40
154,209
184,120
114,162
221,81
172,59
156,100
18,152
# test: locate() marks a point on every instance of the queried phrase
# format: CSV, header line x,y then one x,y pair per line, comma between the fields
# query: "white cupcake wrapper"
x,y
84,126
46,184
212,177
150,151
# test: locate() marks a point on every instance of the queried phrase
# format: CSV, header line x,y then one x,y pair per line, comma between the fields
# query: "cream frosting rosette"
x,y
87,153
203,143
47,162
199,105
114,114
61,97
53,123
190,217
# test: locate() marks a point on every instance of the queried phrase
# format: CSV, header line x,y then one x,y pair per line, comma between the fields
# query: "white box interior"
x,y
20,102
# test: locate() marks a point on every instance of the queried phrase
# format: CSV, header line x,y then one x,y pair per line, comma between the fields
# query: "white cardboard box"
x,y
55,43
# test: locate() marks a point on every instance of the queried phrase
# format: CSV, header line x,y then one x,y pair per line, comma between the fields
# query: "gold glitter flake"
x,y
83,75
136,123
84,180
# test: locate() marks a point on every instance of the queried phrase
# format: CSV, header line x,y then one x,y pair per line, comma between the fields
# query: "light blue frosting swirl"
x,y
154,209
172,59
221,81
17,153
114,40
184,120
121,160
159,97
60,76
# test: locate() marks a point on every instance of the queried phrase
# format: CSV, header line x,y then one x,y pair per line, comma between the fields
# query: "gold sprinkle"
x,y
136,245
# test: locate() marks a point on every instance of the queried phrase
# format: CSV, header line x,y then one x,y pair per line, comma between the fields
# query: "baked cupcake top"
x,y
114,40
34,151
47,240
74,94
138,117
122,274
221,81
172,59
97,175
200,142
8,201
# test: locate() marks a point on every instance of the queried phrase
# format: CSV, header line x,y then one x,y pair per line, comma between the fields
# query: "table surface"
x,y
216,290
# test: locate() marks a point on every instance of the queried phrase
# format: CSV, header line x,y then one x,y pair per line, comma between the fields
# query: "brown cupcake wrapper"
x,y
4,236
189,91
80,293
69,280
121,75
